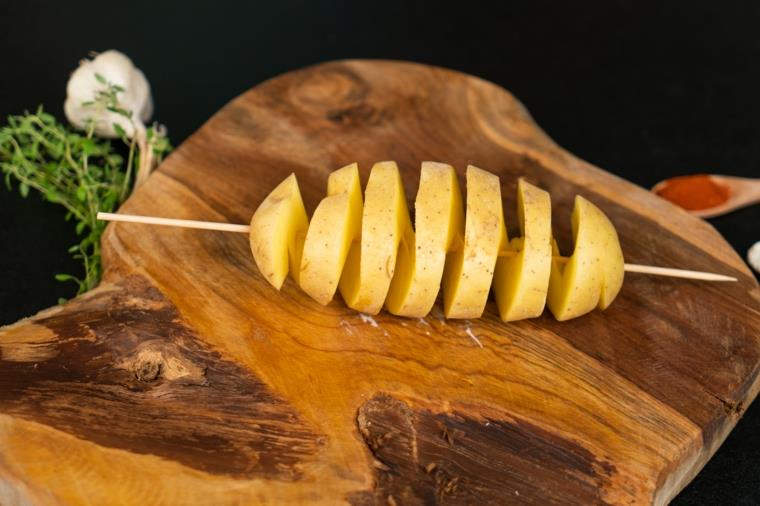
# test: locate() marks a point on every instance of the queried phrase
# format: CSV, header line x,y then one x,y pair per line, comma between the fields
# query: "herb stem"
x,y
128,175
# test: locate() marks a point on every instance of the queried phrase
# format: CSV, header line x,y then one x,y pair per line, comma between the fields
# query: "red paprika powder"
x,y
694,192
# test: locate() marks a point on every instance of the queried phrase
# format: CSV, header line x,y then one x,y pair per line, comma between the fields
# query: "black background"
x,y
646,91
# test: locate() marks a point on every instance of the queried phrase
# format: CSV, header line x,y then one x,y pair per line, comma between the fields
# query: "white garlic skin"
x,y
753,256
117,69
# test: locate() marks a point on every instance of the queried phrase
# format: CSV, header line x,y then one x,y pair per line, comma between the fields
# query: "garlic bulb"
x,y
83,87
753,256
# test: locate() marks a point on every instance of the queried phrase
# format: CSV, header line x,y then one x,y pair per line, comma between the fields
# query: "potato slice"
x,y
370,264
422,254
469,270
335,225
521,278
278,228
593,275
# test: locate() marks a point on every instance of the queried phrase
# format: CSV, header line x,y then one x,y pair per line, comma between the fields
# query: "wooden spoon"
x,y
742,192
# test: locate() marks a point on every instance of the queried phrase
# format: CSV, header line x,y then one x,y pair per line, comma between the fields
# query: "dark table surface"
x,y
644,91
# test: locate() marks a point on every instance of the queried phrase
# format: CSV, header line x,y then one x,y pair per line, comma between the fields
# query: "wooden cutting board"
x,y
186,379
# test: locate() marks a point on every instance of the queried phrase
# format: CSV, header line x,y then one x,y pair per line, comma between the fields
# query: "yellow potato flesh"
x,y
469,271
335,225
370,264
278,228
521,278
422,254
373,255
593,275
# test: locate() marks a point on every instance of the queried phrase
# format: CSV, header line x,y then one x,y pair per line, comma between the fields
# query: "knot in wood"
x,y
148,370
155,361
357,113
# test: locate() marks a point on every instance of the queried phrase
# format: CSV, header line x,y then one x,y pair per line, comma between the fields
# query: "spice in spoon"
x,y
694,193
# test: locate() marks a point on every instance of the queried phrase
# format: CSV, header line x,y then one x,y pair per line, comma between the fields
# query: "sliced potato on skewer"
x,y
335,225
384,265
385,221
593,275
468,275
278,229
521,278
422,256
373,256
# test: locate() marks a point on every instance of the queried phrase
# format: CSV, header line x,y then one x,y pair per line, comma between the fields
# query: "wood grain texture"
x,y
186,379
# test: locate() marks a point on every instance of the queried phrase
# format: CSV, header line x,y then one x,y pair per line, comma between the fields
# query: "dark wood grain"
x,y
429,458
185,378
126,351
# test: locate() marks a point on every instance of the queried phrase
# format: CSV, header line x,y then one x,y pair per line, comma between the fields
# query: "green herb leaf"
x,y
88,147
119,130
100,78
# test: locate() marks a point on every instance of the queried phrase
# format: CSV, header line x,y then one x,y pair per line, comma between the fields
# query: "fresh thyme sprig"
x,y
81,172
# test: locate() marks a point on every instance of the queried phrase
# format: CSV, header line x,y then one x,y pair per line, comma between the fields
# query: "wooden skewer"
x,y
245,229
677,273
170,222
